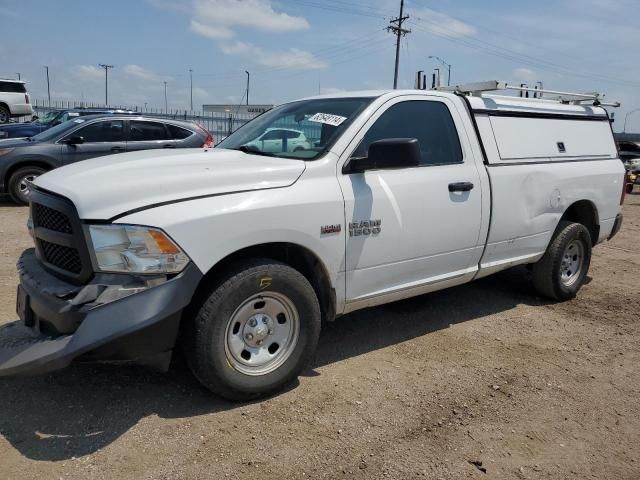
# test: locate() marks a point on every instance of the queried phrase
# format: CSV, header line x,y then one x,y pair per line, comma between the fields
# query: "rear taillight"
x,y
26,99
624,188
208,143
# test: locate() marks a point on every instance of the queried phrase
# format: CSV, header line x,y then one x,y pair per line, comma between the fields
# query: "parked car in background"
x,y
628,150
277,140
632,166
14,100
53,118
23,159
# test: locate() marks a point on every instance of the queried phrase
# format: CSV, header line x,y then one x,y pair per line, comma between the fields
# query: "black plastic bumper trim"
x,y
100,325
617,225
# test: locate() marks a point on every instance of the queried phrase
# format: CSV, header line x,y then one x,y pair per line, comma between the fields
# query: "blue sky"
x,y
295,48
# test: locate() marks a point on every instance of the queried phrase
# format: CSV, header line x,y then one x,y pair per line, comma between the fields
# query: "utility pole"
x,y
46,67
166,110
445,64
106,82
248,77
191,83
395,27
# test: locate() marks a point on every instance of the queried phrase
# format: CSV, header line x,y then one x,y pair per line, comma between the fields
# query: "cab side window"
x,y
105,131
147,131
428,121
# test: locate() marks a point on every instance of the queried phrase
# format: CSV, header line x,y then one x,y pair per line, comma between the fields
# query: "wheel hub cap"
x,y
262,333
24,184
571,264
257,330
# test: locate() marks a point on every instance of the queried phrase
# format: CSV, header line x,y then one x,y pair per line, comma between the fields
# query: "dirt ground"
x,y
425,388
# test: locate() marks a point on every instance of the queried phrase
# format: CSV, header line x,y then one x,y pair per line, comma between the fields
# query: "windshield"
x,y
47,117
56,131
302,130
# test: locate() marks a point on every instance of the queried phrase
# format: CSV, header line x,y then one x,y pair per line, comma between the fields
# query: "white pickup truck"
x,y
239,255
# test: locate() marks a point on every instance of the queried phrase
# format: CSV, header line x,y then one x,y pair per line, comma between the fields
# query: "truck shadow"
x,y
84,408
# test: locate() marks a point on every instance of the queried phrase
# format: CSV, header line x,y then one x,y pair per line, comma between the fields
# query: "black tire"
x,y
547,272
5,114
16,189
206,333
629,187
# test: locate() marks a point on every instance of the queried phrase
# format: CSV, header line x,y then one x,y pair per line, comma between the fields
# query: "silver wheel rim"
x,y
262,333
4,118
24,184
571,263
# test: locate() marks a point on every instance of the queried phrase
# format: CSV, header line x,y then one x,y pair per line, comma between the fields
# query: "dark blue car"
x,y
51,119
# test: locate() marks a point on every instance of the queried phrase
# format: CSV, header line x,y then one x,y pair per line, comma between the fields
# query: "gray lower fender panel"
x,y
24,352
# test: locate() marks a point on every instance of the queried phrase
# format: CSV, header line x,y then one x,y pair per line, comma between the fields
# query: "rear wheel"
x,y
19,183
5,115
255,331
560,273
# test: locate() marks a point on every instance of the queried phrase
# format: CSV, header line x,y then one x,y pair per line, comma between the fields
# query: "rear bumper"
x,y
616,226
21,109
64,325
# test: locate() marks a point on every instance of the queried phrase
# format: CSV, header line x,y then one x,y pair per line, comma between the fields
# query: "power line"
x,y
507,54
338,8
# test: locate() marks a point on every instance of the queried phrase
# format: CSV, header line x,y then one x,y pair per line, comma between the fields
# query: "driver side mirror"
x,y
74,140
387,154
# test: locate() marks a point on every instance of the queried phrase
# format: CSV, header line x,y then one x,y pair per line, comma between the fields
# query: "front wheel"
x,y
560,273
19,183
629,187
255,331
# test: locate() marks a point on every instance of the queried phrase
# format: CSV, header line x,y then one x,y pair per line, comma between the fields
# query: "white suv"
x,y
14,100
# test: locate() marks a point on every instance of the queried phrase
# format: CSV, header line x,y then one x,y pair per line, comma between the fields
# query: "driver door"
x,y
101,137
406,229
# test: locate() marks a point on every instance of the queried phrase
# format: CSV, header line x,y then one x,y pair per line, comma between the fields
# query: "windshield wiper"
x,y
251,150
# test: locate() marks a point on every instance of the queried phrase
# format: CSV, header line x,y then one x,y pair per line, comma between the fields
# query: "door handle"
x,y
117,149
460,186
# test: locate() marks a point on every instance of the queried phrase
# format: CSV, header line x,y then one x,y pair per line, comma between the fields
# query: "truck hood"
x,y
105,187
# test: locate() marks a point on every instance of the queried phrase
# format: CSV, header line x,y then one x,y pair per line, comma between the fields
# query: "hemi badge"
x,y
326,229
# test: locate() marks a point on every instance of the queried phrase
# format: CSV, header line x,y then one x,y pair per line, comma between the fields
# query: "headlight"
x,y
633,177
135,249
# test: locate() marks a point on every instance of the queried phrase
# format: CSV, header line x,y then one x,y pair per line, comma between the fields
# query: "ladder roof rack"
x,y
476,89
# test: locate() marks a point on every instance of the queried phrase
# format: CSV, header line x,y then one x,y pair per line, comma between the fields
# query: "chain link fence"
x,y
219,125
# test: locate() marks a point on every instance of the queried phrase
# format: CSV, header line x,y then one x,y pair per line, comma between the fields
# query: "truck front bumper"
x,y
63,322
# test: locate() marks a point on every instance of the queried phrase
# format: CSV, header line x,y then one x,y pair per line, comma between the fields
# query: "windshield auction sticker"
x,y
327,118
